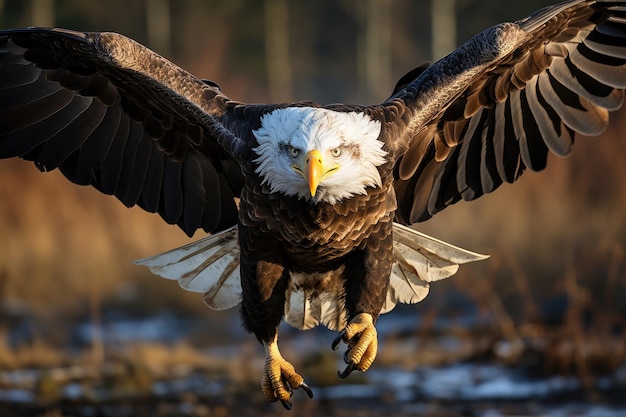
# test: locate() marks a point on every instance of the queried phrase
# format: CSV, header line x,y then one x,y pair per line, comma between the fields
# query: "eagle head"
x,y
318,154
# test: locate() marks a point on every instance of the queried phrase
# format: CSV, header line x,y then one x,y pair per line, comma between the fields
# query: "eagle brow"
x,y
285,147
353,148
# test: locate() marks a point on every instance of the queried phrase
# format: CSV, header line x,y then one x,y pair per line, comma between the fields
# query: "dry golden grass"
x,y
38,353
62,242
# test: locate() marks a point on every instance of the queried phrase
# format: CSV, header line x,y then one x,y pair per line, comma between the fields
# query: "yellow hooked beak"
x,y
314,169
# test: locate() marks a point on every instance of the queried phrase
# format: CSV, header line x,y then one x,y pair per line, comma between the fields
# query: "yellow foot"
x,y
361,337
280,377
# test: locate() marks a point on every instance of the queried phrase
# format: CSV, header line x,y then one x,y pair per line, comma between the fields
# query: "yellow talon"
x,y
362,350
280,377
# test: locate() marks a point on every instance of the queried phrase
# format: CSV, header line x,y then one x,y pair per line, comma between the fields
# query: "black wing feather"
x,y
108,175
95,149
56,111
172,194
151,195
69,139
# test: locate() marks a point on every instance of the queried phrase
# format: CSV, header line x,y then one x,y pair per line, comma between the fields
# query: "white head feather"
x,y
305,129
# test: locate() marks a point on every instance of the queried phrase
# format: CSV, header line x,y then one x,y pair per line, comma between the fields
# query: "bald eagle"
x,y
305,202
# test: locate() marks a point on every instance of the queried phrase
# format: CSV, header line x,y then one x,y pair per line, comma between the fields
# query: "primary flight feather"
x,y
301,198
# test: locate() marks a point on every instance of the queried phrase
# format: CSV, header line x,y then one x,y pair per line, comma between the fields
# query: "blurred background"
x,y
538,329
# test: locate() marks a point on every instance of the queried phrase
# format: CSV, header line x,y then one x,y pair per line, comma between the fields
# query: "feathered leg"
x,y
367,278
263,303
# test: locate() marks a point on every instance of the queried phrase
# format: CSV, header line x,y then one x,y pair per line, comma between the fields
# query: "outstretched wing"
x,y
497,105
111,113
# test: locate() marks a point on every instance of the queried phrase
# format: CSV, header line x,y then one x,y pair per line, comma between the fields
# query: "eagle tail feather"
x,y
301,310
420,260
209,266
315,299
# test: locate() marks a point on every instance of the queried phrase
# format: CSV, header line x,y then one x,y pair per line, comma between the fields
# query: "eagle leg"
x,y
280,377
361,337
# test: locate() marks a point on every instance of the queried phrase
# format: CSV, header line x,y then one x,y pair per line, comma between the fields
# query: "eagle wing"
x,y
111,113
498,104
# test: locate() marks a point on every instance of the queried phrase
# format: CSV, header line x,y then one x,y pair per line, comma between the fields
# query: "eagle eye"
x,y
336,152
294,152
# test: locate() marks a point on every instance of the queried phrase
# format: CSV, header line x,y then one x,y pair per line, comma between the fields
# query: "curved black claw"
x,y
338,339
307,389
286,404
346,372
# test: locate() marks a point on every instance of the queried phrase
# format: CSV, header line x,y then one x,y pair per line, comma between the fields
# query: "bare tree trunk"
x,y
43,13
159,25
444,27
277,50
375,49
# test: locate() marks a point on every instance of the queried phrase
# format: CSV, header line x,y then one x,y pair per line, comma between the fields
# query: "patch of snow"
x,y
17,395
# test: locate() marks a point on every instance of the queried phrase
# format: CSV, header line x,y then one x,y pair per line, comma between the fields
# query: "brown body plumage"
x,y
287,236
